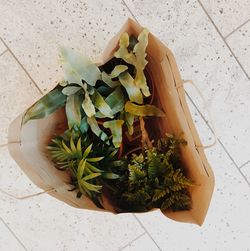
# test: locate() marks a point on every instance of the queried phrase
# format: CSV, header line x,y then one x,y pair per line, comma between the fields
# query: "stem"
x,y
144,138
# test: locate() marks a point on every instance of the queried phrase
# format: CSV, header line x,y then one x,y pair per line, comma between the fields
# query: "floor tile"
x,y
227,225
239,42
34,30
2,47
203,57
43,223
143,243
7,240
246,171
12,179
227,15
16,92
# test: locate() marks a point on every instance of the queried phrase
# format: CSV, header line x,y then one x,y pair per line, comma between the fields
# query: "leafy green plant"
x,y
155,179
90,93
87,165
49,103
101,104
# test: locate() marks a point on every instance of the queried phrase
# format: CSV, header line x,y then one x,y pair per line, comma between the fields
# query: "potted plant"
x,y
117,136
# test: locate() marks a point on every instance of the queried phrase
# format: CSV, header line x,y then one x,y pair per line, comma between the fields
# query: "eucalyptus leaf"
x,y
143,110
78,68
48,104
115,127
132,90
73,110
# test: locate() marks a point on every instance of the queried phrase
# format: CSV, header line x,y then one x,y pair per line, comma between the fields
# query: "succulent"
x,y
87,165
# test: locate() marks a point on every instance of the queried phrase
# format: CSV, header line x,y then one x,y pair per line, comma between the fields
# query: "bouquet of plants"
x,y
108,147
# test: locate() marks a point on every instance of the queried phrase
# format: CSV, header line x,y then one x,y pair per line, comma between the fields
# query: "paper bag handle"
x,y
208,112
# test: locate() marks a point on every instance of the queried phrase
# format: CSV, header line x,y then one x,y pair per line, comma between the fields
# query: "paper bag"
x,y
27,143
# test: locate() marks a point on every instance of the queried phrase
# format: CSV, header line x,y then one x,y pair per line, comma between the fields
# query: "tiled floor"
x,y
211,41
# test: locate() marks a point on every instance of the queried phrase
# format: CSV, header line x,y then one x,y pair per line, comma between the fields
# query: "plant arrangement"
x,y
106,149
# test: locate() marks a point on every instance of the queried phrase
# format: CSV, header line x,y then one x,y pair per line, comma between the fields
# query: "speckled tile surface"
x,y
2,47
227,15
7,240
246,171
34,30
239,41
226,227
58,226
203,57
16,92
142,243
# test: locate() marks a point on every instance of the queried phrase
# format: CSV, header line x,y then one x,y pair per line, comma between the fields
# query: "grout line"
x,y
242,174
32,80
192,100
246,163
3,145
13,234
130,11
3,52
147,232
236,29
138,237
229,48
222,145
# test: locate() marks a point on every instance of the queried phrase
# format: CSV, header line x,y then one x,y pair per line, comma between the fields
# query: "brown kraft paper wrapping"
x,y
27,143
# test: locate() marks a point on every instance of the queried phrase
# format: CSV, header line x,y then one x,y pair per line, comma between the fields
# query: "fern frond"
x,y
180,179
158,173
177,201
154,164
182,202
135,173
168,202
137,201
160,193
